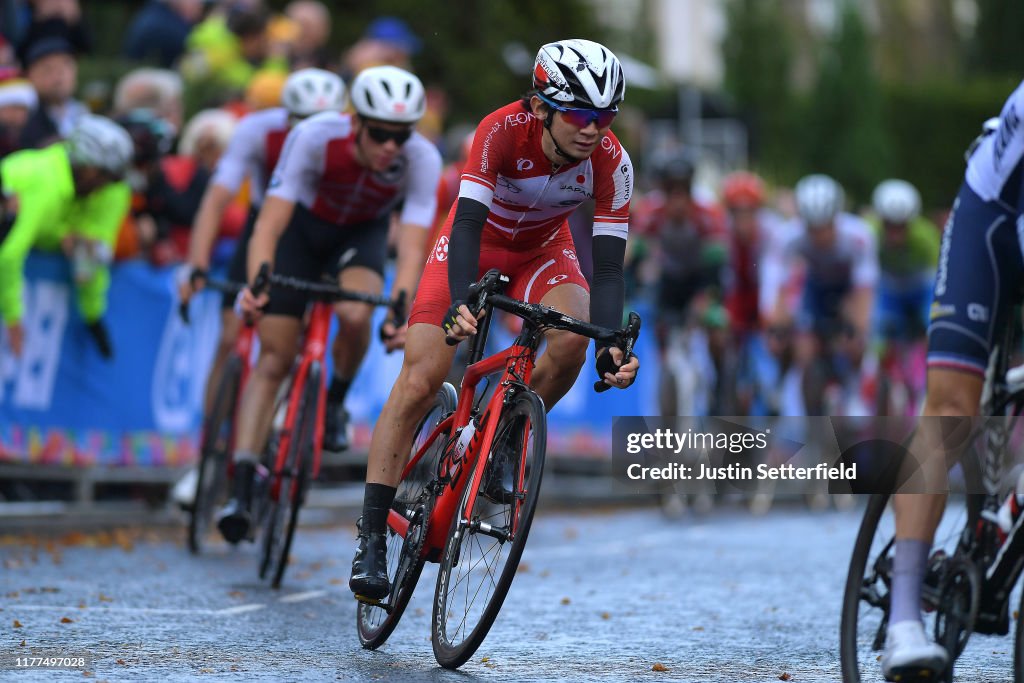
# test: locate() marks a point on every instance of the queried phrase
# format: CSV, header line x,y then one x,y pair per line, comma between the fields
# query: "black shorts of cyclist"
x,y
977,285
237,271
311,247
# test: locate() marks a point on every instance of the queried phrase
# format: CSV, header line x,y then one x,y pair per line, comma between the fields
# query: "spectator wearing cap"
x,y
387,40
157,34
52,70
17,100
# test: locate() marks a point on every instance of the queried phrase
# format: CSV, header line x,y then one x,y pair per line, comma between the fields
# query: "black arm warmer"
x,y
608,290
464,247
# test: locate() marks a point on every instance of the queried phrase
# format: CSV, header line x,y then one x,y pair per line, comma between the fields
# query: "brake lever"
x,y
630,334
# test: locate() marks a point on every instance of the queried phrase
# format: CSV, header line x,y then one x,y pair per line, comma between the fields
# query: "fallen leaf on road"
x,y
237,594
65,620
22,644
566,601
523,568
104,598
48,589
17,624
121,662
659,667
81,605
698,628
13,594
571,533
545,574
88,674
336,582
606,616
486,659
785,677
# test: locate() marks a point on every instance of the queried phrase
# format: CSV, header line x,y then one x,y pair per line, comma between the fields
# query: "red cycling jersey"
x,y
253,152
526,234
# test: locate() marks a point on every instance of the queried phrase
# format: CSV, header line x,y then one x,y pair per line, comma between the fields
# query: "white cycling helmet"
x,y
896,201
387,93
311,91
819,199
579,73
99,142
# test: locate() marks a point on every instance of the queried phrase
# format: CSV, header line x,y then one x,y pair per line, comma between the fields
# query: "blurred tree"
x,y
758,60
917,41
995,49
846,134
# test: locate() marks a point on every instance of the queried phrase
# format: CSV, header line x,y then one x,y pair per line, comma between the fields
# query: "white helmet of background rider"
x,y
579,73
387,93
819,199
99,142
311,91
896,201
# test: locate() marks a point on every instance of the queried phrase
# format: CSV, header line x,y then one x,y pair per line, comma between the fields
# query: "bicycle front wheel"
x,y
481,556
214,450
292,481
414,500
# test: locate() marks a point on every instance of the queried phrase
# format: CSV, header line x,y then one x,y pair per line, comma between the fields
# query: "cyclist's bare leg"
x,y
426,363
279,336
354,320
559,366
230,325
950,394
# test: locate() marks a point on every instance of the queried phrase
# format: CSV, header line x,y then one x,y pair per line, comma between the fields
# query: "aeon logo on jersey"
x,y
441,250
520,119
558,278
569,254
607,145
524,165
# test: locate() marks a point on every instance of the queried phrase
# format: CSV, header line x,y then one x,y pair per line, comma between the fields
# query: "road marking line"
x,y
300,597
103,608
240,609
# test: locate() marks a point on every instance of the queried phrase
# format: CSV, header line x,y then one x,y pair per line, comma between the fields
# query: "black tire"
x,y
1018,644
458,629
293,481
865,609
262,508
214,453
375,623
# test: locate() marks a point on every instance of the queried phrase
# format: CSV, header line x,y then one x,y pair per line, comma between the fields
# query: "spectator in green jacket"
x,y
68,196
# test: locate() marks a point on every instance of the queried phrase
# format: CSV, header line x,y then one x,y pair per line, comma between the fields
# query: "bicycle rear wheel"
x,y
865,610
214,450
481,557
414,500
292,481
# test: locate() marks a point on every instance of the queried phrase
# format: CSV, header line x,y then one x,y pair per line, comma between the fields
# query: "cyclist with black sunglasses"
x,y
327,211
531,164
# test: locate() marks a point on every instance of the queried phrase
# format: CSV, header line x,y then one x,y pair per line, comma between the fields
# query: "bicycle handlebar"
x,y
488,292
222,286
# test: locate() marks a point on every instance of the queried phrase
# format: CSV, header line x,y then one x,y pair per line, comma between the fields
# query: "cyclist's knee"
x,y
567,350
417,383
354,318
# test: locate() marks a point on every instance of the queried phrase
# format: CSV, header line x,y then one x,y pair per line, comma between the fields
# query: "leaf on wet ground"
x,y
336,582
544,574
22,644
65,620
13,594
566,601
606,615
81,605
104,598
658,666
785,676
571,533
17,624
237,594
523,568
49,589
697,628
121,662
88,674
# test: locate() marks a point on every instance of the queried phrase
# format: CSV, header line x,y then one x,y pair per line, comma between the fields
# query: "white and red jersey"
x,y
529,201
253,152
318,169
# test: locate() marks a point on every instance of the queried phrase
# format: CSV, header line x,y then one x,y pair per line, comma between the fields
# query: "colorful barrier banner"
x,y
62,403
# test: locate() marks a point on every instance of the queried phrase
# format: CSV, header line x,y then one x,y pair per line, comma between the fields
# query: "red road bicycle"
x,y
292,457
468,494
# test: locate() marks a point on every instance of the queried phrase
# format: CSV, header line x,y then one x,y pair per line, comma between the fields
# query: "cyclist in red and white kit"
x,y
252,153
327,210
532,162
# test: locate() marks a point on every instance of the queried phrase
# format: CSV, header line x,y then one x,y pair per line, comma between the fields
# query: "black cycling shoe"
x,y
335,427
498,479
235,519
370,566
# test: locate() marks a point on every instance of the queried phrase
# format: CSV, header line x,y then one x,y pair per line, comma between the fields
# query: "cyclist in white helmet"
x,y
328,210
834,263
251,155
82,178
531,164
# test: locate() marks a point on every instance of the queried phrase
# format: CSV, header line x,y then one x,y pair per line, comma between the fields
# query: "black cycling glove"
x,y
98,331
451,316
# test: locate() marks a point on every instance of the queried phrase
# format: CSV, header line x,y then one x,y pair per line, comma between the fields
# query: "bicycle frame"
x,y
518,361
311,358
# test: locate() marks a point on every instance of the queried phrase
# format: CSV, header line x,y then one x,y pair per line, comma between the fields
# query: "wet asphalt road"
x,y
607,595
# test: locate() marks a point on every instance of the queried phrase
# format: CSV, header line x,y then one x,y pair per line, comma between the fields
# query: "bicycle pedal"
x,y
369,601
914,675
